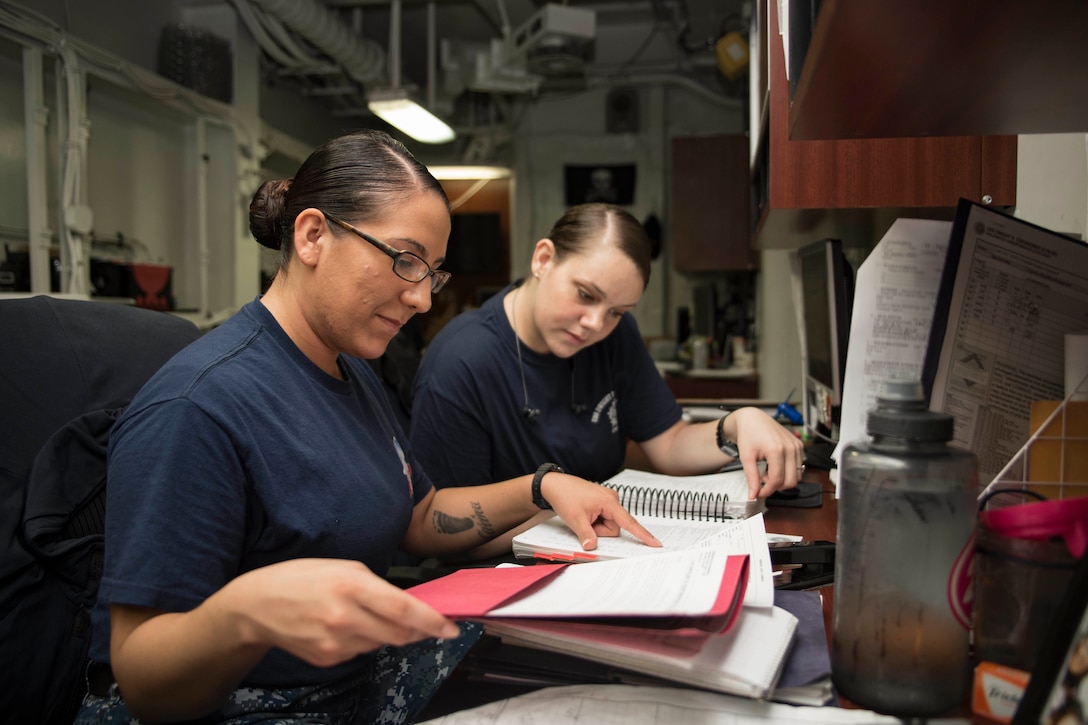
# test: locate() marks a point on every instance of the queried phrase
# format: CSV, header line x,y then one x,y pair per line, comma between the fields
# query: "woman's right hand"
x,y
326,611
180,665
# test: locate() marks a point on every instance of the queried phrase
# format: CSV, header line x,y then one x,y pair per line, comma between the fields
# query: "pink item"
x,y
1066,517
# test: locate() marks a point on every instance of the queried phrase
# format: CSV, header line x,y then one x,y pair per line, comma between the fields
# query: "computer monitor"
x,y
827,293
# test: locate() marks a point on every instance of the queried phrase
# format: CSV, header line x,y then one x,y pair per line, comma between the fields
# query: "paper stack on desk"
x,y
671,631
552,540
775,653
746,660
696,590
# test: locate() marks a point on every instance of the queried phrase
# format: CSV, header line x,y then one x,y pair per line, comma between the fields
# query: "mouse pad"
x,y
809,495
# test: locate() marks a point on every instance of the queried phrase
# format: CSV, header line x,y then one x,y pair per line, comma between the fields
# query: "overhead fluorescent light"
x,y
396,108
469,172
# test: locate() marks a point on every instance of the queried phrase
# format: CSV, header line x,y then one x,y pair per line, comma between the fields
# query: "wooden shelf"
x,y
882,69
710,388
853,189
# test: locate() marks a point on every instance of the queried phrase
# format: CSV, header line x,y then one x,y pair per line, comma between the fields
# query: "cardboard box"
x,y
997,691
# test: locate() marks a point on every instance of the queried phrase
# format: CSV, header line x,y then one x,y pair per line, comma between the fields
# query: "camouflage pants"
x,y
391,691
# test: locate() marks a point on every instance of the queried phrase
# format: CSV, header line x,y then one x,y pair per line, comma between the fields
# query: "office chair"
x,y
67,368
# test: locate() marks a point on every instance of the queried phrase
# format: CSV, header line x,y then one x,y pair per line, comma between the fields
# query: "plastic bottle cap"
x,y
901,412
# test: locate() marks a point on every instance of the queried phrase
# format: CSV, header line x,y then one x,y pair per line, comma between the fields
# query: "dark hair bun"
x,y
266,222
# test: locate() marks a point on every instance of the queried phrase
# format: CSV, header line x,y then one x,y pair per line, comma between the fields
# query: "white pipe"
x,y
203,254
36,116
394,43
505,20
663,79
362,60
432,53
268,44
77,214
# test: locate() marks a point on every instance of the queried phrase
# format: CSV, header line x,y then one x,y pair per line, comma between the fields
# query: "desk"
x,y
822,523
812,523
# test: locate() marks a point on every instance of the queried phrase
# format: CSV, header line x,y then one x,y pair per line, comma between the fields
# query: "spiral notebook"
x,y
709,497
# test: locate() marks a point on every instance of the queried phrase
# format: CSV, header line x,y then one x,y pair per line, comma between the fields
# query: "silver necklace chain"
x,y
517,343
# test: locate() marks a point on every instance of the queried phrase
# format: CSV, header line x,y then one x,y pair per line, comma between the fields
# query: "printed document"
x,y
894,299
1013,290
552,539
645,705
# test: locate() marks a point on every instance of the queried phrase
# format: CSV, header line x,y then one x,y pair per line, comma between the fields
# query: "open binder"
x,y
697,590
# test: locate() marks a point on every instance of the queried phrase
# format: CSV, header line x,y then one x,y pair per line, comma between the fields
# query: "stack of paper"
x,y
552,540
746,660
696,589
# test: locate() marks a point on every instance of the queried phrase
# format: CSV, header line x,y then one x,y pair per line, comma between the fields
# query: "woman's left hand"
x,y
760,437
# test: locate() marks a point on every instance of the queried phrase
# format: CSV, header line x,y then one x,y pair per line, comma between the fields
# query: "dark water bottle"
x,y
906,518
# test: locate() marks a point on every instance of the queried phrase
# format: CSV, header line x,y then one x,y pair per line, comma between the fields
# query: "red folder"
x,y
478,593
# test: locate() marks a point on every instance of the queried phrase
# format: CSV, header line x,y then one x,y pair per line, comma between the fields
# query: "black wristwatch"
x,y
725,445
538,498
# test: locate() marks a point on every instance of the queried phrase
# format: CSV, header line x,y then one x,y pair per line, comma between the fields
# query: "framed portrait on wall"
x,y
1057,693
614,184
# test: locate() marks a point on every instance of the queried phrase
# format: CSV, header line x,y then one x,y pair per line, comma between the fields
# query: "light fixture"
x,y
395,107
469,172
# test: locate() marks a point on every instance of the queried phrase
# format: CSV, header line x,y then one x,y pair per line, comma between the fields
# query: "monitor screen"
x,y
827,291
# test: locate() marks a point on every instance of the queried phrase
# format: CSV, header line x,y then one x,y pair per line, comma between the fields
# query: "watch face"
x,y
538,497
726,446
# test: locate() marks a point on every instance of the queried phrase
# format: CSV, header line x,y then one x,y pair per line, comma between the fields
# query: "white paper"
x,y
895,294
1018,290
747,660
784,32
674,534
645,705
739,536
684,583
1076,366
733,484
749,537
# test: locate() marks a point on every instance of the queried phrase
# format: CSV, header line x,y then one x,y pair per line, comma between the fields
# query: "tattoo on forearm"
x,y
446,524
486,530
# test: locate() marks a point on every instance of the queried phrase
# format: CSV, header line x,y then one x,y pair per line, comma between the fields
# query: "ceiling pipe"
x,y
362,60
394,43
664,79
432,53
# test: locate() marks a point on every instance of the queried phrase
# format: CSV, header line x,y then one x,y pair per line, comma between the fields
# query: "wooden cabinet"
x,y
887,68
685,386
710,218
854,189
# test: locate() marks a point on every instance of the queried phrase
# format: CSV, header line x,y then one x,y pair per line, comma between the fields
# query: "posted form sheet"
x,y
1017,290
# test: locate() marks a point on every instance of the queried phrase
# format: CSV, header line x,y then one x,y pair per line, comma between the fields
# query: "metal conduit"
x,y
363,60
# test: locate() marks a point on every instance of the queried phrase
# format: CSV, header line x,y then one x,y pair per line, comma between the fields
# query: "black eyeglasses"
x,y
406,265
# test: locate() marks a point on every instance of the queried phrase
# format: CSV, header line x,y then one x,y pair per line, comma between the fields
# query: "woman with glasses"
x,y
553,369
259,484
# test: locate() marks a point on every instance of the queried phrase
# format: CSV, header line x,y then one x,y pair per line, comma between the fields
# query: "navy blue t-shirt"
x,y
240,452
467,422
